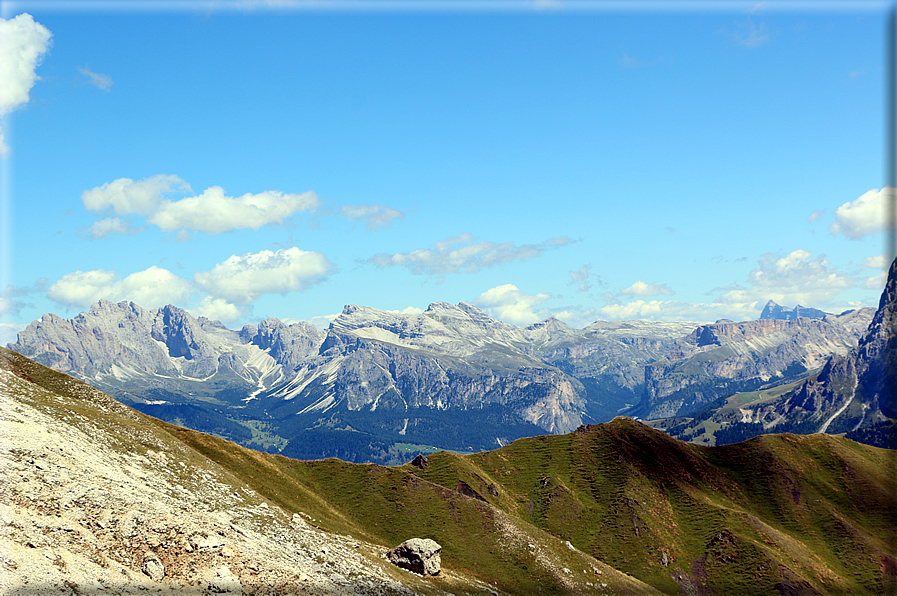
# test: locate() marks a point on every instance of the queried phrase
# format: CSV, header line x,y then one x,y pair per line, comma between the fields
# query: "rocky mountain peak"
x,y
854,390
775,311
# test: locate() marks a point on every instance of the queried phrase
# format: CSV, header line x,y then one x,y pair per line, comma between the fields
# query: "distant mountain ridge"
x,y
774,311
451,376
854,393
854,390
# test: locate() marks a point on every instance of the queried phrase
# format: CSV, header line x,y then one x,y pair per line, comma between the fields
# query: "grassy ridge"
x,y
779,512
387,505
776,514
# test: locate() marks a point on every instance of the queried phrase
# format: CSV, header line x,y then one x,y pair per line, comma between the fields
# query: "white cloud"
x,y
321,322
877,262
862,217
796,278
641,288
750,34
155,287
816,215
150,288
9,305
214,213
9,333
242,279
876,282
216,309
460,253
882,263
109,225
100,81
408,310
83,288
674,310
509,304
23,44
580,277
376,216
126,196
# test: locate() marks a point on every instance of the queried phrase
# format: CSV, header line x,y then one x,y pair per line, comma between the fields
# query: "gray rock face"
x,y
420,555
412,369
774,311
854,390
730,357
291,345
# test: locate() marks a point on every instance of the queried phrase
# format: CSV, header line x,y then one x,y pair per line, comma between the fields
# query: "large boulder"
x,y
420,555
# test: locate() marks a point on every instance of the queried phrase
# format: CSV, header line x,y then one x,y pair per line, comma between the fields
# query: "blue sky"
x,y
245,160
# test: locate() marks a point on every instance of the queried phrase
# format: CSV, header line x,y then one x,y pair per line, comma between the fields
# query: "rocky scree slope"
x,y
99,499
96,500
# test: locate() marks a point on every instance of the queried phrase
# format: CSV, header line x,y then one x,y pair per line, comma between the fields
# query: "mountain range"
x,y
98,498
379,386
853,394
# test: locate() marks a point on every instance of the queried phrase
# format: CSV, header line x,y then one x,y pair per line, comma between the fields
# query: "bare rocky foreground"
x,y
91,508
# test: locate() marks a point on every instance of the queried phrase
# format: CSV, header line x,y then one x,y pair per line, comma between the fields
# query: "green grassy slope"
x,y
813,512
618,504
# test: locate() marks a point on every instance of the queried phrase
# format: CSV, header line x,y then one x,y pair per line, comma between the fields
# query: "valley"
x,y
101,499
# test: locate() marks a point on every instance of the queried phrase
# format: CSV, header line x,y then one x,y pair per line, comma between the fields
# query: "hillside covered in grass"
x,y
775,514
615,508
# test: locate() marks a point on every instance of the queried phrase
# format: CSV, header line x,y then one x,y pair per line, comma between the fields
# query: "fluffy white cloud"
x,y
213,212
150,288
83,288
109,225
23,44
242,279
509,304
216,309
460,253
641,288
796,278
376,216
155,287
877,262
100,81
127,196
674,310
876,282
864,216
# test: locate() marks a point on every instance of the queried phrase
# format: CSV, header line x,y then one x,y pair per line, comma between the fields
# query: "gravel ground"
x,y
92,505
